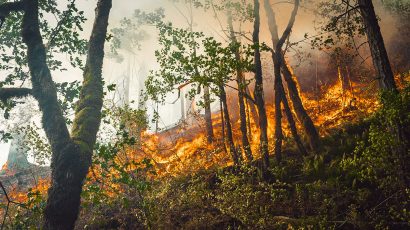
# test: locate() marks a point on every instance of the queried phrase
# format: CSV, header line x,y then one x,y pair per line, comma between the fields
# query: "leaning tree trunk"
x,y
71,155
228,127
378,50
291,82
280,96
241,91
304,118
292,124
259,94
208,116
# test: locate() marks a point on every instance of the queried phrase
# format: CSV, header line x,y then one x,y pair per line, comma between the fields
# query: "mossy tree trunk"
x,y
71,154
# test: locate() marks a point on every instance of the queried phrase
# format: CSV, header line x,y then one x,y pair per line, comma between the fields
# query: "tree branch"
x,y
7,8
88,112
7,93
288,29
44,89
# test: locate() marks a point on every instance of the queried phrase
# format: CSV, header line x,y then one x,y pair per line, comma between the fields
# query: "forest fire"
x,y
184,149
257,116
174,155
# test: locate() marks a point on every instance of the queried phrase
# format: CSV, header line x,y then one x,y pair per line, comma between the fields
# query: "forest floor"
x,y
318,191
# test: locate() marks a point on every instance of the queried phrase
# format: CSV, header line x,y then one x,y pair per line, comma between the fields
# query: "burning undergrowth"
x,y
184,149
140,158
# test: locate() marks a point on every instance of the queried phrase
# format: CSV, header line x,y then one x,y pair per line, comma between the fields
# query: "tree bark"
x,y
228,126
71,156
291,82
208,116
378,50
259,93
241,90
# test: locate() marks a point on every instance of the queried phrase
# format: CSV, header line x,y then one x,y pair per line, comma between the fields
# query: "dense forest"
x,y
252,114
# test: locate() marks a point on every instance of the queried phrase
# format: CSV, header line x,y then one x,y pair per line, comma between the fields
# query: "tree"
x,y
181,66
258,92
71,153
188,66
292,85
386,81
222,65
241,82
280,95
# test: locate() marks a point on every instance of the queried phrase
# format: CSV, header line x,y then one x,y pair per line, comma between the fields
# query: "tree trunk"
x,y
71,157
278,112
252,106
302,115
259,94
228,127
291,82
378,50
223,124
292,123
208,116
280,96
248,115
241,90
